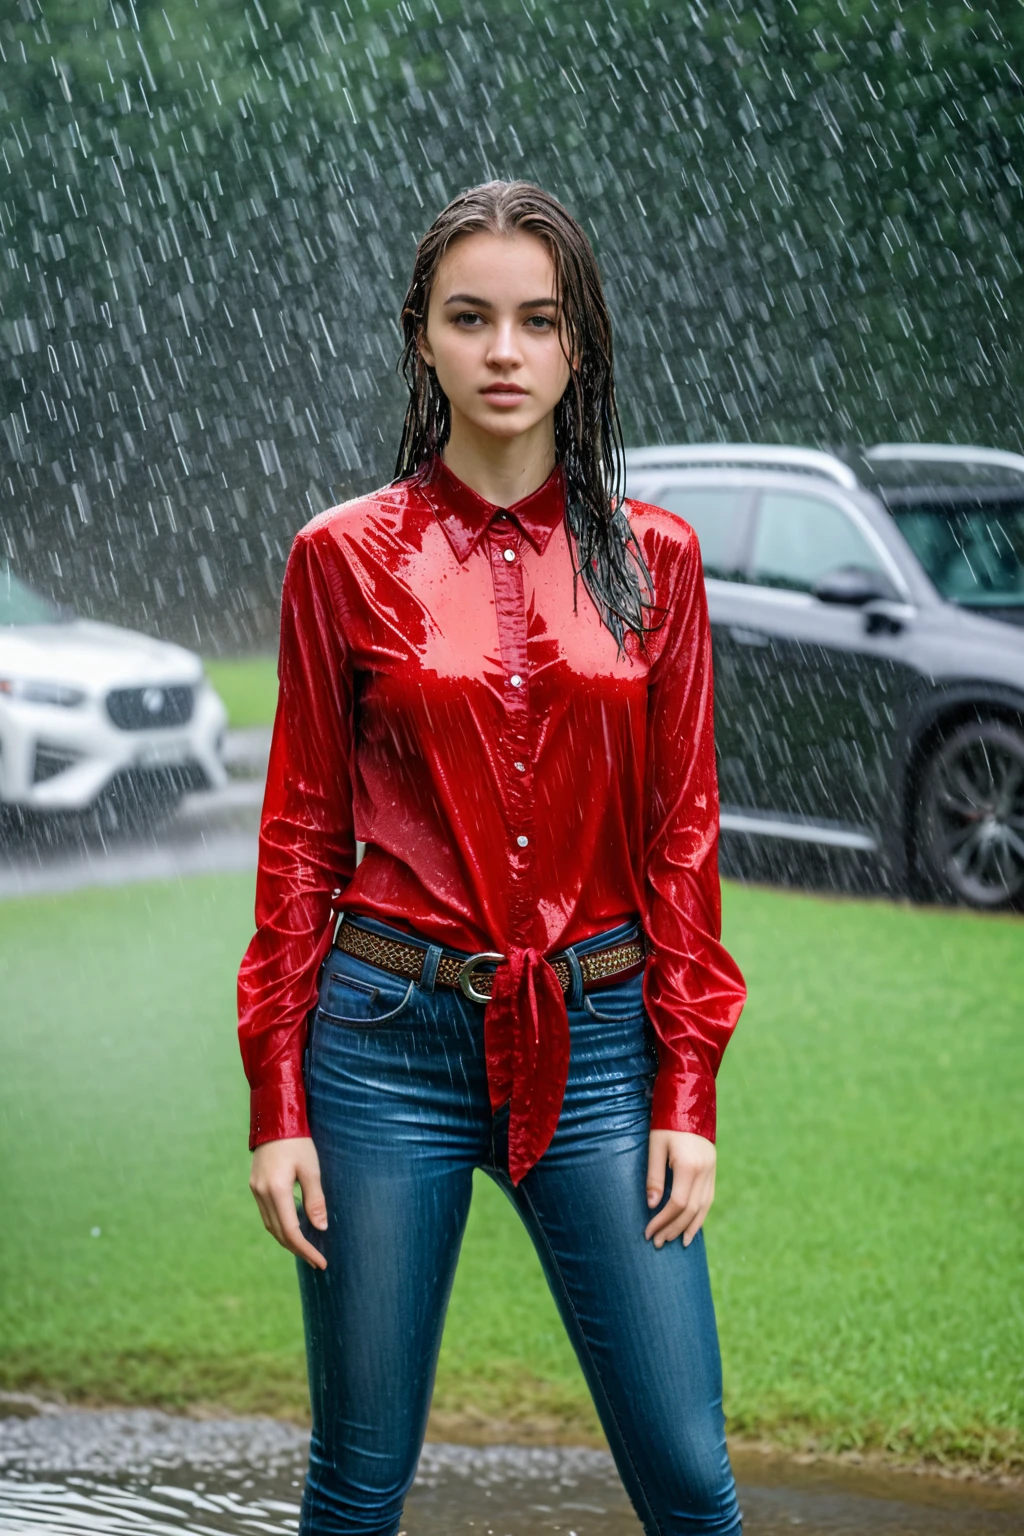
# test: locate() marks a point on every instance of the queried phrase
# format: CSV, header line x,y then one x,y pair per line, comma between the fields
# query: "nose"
x,y
504,351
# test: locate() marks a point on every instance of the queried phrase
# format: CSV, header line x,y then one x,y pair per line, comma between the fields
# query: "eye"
x,y
468,319
541,323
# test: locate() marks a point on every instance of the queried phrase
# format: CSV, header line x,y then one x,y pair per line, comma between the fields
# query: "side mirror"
x,y
854,585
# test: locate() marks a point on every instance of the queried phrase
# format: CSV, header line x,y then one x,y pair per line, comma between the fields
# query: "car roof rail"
x,y
813,461
943,453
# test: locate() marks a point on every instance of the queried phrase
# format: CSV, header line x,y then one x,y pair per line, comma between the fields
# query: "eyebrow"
x,y
468,298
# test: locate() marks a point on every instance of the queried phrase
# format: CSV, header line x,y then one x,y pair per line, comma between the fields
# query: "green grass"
x,y
866,1246
248,686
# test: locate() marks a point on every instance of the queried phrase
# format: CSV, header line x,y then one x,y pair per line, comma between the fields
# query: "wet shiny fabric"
x,y
399,1103
448,699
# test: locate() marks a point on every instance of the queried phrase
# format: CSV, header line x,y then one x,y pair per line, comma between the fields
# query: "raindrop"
x,y
209,225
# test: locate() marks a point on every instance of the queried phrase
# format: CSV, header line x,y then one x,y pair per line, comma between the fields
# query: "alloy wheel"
x,y
972,822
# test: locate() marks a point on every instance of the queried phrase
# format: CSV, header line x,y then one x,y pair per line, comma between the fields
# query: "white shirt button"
x,y
522,841
516,680
519,767
509,555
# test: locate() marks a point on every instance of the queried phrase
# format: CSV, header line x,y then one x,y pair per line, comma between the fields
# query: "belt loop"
x,y
431,961
574,999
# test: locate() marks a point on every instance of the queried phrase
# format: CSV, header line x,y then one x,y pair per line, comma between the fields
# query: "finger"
x,y
272,1220
695,1225
291,1233
688,1221
668,1213
680,1220
266,1210
682,1208
707,1201
683,1184
657,1162
277,1208
692,1212
701,1201
692,1216
313,1202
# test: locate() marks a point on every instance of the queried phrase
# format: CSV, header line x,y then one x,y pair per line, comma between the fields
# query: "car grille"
x,y
49,761
148,709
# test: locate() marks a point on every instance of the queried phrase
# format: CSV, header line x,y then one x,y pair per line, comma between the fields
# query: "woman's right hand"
x,y
277,1166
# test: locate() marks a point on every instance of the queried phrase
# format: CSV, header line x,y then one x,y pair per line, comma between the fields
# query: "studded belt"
x,y
463,971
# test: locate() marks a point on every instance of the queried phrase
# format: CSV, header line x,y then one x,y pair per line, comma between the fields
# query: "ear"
x,y
423,347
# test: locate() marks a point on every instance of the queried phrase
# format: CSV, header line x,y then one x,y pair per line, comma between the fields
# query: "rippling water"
x,y
148,1474
87,1507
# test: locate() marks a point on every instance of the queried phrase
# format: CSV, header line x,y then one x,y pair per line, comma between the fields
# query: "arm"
x,y
692,987
306,853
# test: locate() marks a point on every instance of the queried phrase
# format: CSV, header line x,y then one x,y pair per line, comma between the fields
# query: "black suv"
x,y
868,622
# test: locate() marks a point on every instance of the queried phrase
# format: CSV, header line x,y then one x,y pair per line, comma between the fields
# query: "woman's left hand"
x,y
692,1161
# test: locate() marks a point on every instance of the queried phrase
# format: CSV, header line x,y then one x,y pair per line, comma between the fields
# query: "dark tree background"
x,y
809,217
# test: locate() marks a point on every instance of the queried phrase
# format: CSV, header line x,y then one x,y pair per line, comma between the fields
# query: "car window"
x,y
20,605
973,554
800,538
715,517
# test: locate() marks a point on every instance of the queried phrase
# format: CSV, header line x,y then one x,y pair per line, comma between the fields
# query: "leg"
x,y
397,1139
642,1320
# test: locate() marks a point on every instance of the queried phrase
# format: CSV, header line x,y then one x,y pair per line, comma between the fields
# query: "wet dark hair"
x,y
588,436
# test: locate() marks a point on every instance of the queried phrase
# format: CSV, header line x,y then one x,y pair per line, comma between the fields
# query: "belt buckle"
x,y
465,977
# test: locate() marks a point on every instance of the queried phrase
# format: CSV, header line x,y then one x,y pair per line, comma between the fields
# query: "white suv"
x,y
97,717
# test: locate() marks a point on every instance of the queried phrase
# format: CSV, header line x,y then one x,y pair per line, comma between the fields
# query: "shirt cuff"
x,y
277,1111
684,1101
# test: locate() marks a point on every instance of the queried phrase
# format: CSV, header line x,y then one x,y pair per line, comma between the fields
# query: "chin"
x,y
507,422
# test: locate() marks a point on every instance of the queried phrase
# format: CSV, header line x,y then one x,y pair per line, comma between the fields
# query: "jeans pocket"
x,y
361,996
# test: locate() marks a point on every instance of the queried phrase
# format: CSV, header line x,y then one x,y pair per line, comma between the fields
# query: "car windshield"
x,y
20,605
974,553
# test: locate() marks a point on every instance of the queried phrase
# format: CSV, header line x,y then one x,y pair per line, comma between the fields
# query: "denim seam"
x,y
656,1529
338,1018
354,982
612,1018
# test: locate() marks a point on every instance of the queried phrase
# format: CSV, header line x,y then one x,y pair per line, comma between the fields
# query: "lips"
x,y
504,391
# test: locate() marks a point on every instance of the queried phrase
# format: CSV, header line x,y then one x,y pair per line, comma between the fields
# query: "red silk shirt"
x,y
518,784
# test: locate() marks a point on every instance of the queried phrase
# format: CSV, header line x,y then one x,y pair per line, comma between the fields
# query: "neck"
x,y
501,470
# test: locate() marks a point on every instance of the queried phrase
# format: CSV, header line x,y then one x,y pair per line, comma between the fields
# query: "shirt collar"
x,y
465,516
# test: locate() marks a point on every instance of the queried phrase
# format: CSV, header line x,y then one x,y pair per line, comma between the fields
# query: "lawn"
x,y
867,1245
248,686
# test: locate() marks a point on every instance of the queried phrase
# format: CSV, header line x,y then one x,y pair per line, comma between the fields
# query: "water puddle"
x,y
147,1474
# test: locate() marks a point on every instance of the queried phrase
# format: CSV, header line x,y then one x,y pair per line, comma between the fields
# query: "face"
x,y
493,334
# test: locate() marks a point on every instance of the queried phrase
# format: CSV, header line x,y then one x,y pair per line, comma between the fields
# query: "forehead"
x,y
516,266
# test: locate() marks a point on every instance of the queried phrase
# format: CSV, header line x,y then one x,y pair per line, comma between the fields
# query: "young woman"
x,y
496,674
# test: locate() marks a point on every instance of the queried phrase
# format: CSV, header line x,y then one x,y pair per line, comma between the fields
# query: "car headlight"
x,y
32,692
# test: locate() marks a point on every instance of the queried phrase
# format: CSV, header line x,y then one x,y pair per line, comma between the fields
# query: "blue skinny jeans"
x,y
400,1114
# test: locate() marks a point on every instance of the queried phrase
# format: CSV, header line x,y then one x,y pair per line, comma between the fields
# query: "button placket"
x,y
505,545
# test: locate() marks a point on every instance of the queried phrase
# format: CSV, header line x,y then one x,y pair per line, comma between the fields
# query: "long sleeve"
x,y
693,989
307,845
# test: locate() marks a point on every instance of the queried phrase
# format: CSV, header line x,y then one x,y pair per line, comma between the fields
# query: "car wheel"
x,y
971,822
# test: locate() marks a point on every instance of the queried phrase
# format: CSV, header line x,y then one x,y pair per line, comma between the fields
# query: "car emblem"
x,y
153,700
